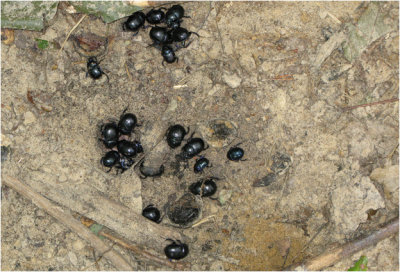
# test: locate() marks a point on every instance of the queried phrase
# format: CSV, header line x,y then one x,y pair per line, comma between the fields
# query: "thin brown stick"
x,y
143,253
371,104
67,220
334,255
69,33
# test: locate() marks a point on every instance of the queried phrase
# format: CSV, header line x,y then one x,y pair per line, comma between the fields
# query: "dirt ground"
x,y
253,67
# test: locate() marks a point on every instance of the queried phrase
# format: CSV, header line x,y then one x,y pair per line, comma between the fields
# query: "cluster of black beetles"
x,y
116,137
162,37
204,187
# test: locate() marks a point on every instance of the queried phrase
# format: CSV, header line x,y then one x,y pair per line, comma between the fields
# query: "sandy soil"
x,y
253,67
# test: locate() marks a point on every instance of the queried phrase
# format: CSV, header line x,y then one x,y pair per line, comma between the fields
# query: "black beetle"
x,y
160,35
134,22
175,25
168,54
155,16
176,251
235,153
124,163
204,188
94,70
181,34
201,164
127,123
193,147
175,135
152,213
138,146
127,148
174,14
109,132
110,159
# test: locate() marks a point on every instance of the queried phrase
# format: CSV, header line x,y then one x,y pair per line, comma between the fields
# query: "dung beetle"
x,y
160,35
110,159
155,16
127,123
235,153
138,146
109,132
174,14
152,213
168,54
193,147
176,250
181,34
125,163
175,25
201,164
134,22
204,188
94,70
127,148
175,135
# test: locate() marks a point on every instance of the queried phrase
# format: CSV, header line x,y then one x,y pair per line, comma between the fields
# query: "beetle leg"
x,y
195,34
108,79
216,178
244,160
137,32
168,239
191,136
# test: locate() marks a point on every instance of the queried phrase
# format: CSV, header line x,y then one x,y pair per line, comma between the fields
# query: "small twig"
x,y
204,220
371,104
333,256
392,152
69,34
67,220
127,72
310,241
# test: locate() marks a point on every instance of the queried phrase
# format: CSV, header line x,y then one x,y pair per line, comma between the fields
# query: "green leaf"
x,y
360,265
373,24
96,228
109,11
42,44
29,15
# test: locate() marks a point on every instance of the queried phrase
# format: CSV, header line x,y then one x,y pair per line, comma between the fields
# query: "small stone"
x,y
224,196
72,258
389,178
232,80
217,266
62,178
78,245
29,118
248,62
350,203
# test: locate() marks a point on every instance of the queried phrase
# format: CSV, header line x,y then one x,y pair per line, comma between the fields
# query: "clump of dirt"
x,y
267,245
